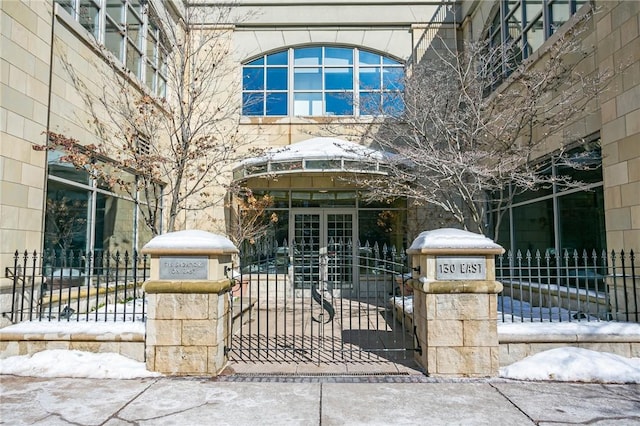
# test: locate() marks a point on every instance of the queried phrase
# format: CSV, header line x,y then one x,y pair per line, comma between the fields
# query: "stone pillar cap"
x,y
453,241
190,242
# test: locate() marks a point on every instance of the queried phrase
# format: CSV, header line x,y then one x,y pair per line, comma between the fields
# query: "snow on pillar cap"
x,y
450,240
190,242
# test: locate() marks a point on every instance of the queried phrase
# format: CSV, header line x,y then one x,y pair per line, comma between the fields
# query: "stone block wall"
x,y
617,39
16,340
186,330
457,333
25,41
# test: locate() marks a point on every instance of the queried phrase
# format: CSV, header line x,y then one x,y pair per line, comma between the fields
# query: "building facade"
x,y
307,71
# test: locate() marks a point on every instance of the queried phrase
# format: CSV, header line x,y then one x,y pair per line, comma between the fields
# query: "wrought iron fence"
x,y
568,286
104,286
302,301
76,286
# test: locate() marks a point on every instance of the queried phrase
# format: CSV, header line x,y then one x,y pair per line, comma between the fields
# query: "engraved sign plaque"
x,y
461,268
184,268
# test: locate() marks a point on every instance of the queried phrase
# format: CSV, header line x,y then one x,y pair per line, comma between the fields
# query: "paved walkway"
x,y
313,400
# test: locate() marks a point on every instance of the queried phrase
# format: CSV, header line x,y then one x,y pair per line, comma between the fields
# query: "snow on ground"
x,y
72,363
575,365
563,364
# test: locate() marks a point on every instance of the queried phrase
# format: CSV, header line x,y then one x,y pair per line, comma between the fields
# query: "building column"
x,y
455,303
188,303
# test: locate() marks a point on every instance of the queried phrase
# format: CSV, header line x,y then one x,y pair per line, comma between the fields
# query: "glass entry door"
x,y
323,248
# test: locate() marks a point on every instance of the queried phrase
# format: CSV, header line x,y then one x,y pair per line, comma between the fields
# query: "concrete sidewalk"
x,y
322,400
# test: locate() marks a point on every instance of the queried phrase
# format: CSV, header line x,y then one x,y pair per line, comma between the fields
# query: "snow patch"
x,y
320,148
452,238
575,365
77,364
190,239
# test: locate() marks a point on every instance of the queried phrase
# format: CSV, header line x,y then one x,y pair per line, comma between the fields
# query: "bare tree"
x,y
180,146
251,219
472,124
63,222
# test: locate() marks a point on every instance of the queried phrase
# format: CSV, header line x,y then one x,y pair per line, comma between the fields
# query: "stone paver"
x,y
548,403
320,400
423,403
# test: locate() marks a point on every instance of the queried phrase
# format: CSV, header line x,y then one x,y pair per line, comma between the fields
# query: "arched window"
x,y
322,81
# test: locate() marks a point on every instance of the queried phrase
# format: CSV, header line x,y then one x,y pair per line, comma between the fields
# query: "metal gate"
x,y
308,301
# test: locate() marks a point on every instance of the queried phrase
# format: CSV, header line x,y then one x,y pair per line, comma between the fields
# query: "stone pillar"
x,y
455,303
188,302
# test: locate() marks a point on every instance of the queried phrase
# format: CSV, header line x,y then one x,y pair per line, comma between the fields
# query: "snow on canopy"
x,y
320,148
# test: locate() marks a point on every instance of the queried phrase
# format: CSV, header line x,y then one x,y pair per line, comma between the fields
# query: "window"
x,y
156,58
378,222
87,214
560,217
520,27
322,81
129,29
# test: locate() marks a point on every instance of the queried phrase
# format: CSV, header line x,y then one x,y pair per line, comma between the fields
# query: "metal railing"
x,y
568,286
103,286
76,286
445,16
300,301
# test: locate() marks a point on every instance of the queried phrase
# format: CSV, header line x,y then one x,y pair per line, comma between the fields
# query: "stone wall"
x,y
514,347
187,326
617,42
459,333
25,42
16,340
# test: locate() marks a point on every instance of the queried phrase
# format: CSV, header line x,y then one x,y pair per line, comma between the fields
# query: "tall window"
x,y
129,29
87,214
560,216
520,27
321,81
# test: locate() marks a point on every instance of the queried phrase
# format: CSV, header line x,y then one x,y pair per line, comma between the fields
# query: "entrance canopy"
x,y
321,154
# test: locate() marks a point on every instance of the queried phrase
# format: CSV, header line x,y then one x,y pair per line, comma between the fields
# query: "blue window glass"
x,y
338,56
368,58
307,79
339,103
280,58
370,103
370,78
277,78
277,103
392,104
321,80
252,104
253,79
307,104
392,78
308,56
259,61
338,78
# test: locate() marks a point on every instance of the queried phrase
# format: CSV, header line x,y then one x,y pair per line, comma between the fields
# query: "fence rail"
x,y
568,286
104,286
76,286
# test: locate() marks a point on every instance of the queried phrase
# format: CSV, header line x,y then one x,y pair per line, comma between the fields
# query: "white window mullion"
x,y
290,74
103,21
356,82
